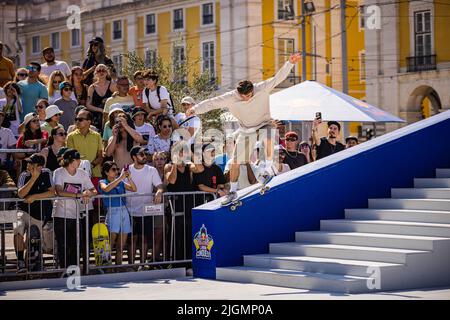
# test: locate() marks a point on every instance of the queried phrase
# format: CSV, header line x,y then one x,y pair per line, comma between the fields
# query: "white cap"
x,y
29,117
52,110
188,100
115,107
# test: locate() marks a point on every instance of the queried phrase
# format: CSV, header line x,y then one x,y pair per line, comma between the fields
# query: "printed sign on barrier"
x,y
154,210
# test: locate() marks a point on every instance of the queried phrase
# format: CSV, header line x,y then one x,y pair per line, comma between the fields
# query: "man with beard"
x,y
51,64
327,145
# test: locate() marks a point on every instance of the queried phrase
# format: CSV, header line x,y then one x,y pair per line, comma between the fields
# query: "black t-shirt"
x,y
39,210
211,177
325,149
295,159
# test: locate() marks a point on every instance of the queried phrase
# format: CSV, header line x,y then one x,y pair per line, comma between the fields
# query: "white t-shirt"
x,y
145,179
146,131
57,95
73,184
86,166
156,144
59,65
153,100
195,123
15,123
7,141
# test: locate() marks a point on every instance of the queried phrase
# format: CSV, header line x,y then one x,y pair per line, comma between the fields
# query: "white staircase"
x,y
397,243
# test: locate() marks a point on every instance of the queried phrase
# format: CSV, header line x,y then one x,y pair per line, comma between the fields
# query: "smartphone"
x,y
126,167
318,115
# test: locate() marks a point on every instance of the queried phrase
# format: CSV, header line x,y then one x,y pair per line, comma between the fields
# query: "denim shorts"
x,y
118,220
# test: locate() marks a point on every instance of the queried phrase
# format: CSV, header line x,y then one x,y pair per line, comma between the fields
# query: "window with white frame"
x,y
285,50
150,58
55,40
285,9
422,33
75,35
178,61
117,60
178,19
150,23
117,30
209,60
36,44
207,13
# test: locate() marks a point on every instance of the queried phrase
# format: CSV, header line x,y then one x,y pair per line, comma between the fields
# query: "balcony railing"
x,y
421,63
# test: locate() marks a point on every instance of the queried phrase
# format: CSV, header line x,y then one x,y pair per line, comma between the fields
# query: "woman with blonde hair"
x,y
54,93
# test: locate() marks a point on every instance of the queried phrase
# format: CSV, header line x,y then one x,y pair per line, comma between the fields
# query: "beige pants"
x,y
245,143
23,224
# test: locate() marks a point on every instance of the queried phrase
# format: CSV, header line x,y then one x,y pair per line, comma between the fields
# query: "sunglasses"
x,y
114,169
94,44
80,119
39,106
56,81
22,74
35,120
123,84
304,146
101,71
167,126
61,134
291,139
31,68
67,89
78,74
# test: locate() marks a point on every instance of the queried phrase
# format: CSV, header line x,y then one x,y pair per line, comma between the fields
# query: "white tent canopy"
x,y
302,101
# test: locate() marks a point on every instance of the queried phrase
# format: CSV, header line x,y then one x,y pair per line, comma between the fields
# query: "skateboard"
x,y
263,188
34,262
102,248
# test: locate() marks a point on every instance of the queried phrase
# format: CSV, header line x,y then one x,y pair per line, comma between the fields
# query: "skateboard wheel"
x,y
262,191
233,208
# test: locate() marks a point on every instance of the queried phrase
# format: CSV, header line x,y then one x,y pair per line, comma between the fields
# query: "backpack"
x,y
170,104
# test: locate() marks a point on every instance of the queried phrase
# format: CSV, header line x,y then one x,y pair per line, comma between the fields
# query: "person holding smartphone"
x,y
328,145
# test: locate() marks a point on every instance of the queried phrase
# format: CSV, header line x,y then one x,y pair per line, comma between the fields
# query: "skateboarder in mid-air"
x,y
249,104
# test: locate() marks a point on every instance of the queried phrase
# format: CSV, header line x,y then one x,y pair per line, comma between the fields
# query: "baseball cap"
x,y
96,39
291,134
64,84
351,138
61,151
29,117
36,158
71,154
115,107
137,149
188,100
52,110
47,49
137,111
337,124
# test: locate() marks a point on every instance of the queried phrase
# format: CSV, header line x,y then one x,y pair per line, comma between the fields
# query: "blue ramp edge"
x,y
299,199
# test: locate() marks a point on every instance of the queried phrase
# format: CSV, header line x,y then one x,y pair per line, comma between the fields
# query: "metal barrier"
x,y
162,234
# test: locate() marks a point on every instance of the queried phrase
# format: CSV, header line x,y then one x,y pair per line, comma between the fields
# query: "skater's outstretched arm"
x,y
281,75
220,102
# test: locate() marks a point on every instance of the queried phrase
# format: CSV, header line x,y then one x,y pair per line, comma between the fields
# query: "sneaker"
x,y
229,198
21,268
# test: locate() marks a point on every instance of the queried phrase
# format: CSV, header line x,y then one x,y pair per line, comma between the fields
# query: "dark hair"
x,y
160,119
28,135
43,100
245,87
88,114
53,133
150,74
74,69
130,140
122,78
111,118
106,167
36,64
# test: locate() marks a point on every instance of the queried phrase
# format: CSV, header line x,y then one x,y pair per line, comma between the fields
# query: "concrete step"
x,y
415,204
398,215
432,183
294,279
369,239
343,252
387,227
316,264
421,193
442,173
